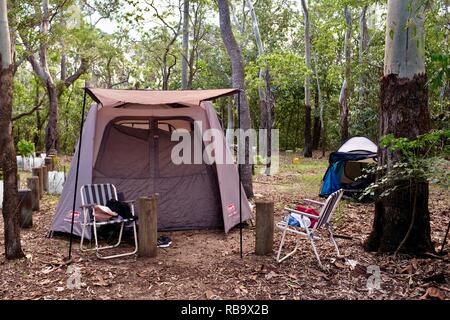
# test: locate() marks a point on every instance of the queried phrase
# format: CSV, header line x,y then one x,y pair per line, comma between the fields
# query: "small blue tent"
x,y
346,165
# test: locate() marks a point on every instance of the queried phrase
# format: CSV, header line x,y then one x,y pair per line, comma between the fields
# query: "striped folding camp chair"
x,y
323,221
99,194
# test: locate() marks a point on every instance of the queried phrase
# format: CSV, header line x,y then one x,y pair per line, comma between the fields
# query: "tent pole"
x,y
76,176
239,169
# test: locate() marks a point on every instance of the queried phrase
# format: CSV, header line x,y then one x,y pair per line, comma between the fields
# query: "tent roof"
x,y
115,98
358,144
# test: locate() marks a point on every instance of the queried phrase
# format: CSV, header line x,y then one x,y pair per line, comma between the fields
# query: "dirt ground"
x,y
206,264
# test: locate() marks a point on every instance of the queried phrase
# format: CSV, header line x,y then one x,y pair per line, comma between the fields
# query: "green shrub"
x,y
25,148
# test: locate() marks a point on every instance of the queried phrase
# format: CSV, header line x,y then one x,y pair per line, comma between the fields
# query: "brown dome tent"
x,y
126,141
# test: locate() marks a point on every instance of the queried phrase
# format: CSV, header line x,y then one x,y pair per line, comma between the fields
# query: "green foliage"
x,y
25,148
124,42
425,158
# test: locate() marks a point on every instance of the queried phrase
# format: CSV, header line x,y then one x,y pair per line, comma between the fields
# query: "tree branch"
x,y
81,69
37,67
21,115
175,32
29,55
18,63
56,11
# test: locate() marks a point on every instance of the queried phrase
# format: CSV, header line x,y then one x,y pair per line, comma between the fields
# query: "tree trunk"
x,y
307,151
363,47
316,122
10,211
263,91
230,118
184,56
230,124
445,89
222,104
238,81
321,107
297,127
343,99
37,133
51,134
288,130
404,113
316,133
63,64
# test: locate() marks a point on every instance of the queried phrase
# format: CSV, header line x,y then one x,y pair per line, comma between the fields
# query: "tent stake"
x,y
76,176
239,169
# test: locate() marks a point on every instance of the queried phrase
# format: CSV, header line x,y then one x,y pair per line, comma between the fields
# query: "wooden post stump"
x,y
53,161
148,227
48,163
37,172
264,227
41,182
25,207
33,185
45,177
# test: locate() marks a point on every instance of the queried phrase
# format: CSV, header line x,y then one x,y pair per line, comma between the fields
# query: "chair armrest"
x,y
91,205
314,202
129,201
302,213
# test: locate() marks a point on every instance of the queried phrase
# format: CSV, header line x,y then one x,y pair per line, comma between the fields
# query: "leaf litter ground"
x,y
206,264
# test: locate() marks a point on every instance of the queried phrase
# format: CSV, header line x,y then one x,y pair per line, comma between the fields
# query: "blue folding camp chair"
x,y
323,221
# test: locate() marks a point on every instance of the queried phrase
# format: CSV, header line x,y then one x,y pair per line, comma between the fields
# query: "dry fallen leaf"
x,y
293,276
408,269
433,292
209,294
351,263
414,264
270,275
318,273
101,282
44,282
47,270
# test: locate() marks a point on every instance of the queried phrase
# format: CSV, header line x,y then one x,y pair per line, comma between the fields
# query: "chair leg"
x,y
135,238
311,238
281,245
313,245
82,238
330,230
283,238
95,236
120,236
84,227
120,254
